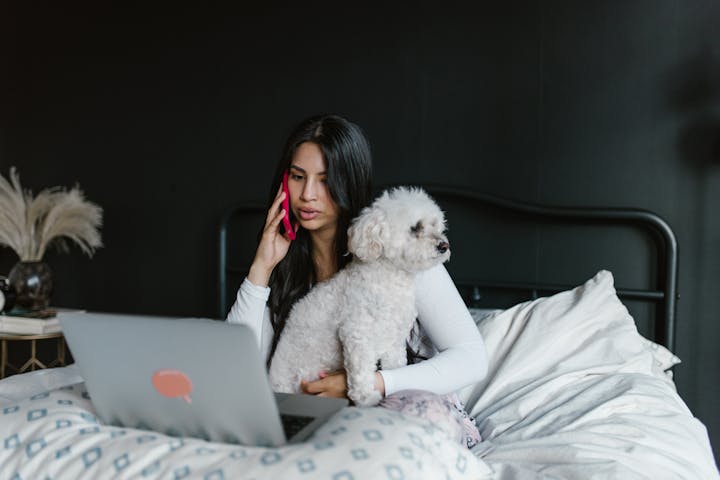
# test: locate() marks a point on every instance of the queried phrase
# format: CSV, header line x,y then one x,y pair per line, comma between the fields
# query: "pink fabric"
x,y
444,411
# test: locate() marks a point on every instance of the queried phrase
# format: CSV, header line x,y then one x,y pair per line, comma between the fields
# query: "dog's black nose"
x,y
443,247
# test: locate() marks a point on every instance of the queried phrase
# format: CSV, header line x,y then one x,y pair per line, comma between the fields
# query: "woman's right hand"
x,y
273,245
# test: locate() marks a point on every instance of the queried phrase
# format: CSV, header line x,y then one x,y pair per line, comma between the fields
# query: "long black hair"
x,y
348,162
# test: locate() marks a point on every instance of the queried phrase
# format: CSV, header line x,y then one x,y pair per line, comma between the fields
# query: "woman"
x,y
329,164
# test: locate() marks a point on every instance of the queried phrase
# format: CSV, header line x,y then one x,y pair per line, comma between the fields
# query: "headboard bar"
x,y
630,294
223,267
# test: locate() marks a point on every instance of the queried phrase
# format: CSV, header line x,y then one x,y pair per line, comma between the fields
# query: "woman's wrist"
x,y
380,383
259,275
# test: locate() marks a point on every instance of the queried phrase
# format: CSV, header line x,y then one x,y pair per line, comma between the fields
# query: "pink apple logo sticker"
x,y
172,383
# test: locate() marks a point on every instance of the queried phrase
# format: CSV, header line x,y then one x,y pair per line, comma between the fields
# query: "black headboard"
x,y
663,294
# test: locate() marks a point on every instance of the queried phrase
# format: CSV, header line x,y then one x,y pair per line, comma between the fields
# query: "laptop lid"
x,y
184,377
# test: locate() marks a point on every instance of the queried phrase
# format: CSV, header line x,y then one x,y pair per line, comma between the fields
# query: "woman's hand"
x,y
334,384
273,245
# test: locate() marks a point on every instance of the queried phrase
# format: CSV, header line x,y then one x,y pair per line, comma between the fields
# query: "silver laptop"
x,y
187,377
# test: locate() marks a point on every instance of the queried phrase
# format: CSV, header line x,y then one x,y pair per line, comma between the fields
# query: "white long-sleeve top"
x,y
458,359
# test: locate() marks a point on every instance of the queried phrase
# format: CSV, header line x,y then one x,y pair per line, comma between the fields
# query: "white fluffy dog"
x,y
360,318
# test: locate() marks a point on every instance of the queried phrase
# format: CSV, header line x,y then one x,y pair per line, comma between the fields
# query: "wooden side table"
x,y
33,361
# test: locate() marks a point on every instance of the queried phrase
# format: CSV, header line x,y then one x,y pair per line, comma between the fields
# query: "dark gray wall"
x,y
166,117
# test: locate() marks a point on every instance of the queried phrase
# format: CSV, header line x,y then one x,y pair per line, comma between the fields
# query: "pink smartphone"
x,y
286,205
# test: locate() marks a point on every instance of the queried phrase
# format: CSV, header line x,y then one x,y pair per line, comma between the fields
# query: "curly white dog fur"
x,y
361,317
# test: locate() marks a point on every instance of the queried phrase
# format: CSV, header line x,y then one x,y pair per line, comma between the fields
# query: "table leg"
x,y
33,348
60,357
33,361
61,351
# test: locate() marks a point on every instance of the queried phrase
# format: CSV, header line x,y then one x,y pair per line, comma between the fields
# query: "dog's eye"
x,y
417,228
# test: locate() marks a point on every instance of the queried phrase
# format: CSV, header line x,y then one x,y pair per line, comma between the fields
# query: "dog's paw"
x,y
365,399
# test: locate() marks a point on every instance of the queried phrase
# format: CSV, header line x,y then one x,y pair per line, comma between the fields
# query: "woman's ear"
x,y
367,234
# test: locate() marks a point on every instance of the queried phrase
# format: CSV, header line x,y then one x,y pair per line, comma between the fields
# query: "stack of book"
x,y
24,322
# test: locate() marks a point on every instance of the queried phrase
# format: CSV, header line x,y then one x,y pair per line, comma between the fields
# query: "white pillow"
x,y
579,332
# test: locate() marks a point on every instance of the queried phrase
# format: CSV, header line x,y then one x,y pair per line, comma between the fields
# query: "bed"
x,y
573,390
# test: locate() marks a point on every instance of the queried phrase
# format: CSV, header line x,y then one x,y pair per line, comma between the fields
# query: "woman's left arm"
x,y
462,358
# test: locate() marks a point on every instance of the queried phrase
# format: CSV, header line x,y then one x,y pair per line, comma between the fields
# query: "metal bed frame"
x,y
664,296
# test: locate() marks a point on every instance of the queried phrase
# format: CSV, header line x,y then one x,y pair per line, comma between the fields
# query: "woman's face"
x,y
310,198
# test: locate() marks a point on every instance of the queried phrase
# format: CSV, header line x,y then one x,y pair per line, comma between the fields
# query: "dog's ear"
x,y
367,234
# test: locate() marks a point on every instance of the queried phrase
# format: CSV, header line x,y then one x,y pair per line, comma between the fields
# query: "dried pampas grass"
x,y
30,225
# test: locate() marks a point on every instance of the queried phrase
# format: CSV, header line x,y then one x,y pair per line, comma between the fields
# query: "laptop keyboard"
x,y
292,424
